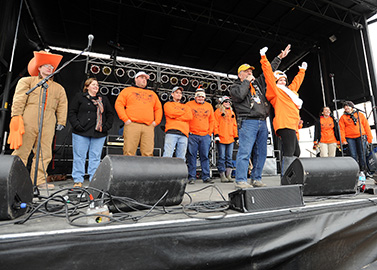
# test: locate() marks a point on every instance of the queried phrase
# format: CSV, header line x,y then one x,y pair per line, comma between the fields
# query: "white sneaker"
x,y
241,185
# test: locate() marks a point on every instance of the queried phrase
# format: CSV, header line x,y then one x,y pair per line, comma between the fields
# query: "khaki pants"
x,y
327,149
29,142
135,134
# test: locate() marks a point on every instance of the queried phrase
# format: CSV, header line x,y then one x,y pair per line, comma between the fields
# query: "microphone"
x,y
331,75
90,40
338,100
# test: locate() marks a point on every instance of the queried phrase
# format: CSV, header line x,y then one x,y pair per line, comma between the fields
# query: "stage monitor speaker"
x,y
323,176
143,179
266,198
15,187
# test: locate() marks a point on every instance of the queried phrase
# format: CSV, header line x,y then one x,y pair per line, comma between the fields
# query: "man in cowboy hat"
x,y
141,111
24,124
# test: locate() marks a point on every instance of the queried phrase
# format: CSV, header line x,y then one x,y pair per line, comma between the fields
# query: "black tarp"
x,y
339,235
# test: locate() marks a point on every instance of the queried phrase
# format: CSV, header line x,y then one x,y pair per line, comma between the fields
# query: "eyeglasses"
x,y
48,66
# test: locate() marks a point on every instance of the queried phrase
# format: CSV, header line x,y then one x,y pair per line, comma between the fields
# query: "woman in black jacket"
x,y
91,116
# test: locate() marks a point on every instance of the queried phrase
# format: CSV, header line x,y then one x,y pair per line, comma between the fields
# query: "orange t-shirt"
x,y
327,130
203,121
286,111
177,116
138,105
226,126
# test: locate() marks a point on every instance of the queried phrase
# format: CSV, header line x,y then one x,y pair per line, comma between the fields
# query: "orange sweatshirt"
x,y
226,126
349,130
327,130
286,111
203,122
138,105
177,116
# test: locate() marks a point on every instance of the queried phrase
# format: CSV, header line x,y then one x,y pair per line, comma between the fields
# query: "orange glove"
x,y
16,130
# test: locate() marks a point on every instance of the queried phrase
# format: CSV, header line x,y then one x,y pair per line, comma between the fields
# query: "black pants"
x,y
290,146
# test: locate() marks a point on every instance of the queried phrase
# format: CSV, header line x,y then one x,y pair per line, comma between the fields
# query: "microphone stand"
x,y
44,85
337,113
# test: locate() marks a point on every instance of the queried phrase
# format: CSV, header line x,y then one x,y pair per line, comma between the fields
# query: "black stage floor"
x,y
327,232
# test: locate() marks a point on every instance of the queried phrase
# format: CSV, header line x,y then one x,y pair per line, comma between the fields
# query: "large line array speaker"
x,y
266,198
15,187
143,179
323,176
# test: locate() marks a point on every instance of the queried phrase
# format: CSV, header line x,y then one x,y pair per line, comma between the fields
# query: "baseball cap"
x,y
177,88
245,67
140,73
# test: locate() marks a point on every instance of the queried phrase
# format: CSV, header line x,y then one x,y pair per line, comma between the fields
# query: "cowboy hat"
x,y
42,58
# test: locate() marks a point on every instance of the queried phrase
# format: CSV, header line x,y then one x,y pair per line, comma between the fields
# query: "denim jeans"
x,y
83,146
224,160
253,136
202,144
357,151
175,141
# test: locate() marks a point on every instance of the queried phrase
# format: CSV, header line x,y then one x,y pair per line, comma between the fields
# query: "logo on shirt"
x,y
201,114
143,97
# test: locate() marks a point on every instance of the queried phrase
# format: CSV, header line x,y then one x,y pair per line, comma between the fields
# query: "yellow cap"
x,y
245,67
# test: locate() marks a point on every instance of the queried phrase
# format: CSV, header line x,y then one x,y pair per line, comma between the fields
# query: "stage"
x,y
334,232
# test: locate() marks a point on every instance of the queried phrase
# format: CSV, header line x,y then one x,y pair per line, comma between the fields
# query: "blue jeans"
x,y
225,152
81,146
202,144
253,136
175,141
357,151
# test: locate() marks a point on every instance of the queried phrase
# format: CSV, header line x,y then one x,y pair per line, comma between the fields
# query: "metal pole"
x,y
321,80
336,111
4,106
368,73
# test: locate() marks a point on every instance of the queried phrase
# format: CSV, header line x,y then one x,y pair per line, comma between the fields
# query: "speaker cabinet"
x,y
142,179
323,176
266,198
15,187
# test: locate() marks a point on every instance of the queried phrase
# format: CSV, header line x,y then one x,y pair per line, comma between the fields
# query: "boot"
x,y
223,178
228,174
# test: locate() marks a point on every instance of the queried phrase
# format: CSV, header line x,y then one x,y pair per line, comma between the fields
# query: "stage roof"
x,y
211,35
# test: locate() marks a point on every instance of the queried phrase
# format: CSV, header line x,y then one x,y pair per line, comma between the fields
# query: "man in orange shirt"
x,y
178,116
353,134
141,111
201,129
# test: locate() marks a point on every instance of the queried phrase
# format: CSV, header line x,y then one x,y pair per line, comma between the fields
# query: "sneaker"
x,y
259,184
191,181
241,185
208,181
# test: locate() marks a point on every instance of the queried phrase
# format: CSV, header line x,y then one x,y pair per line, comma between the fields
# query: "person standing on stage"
x,y
26,109
178,116
326,134
284,98
91,116
252,109
353,134
201,129
141,111
226,134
